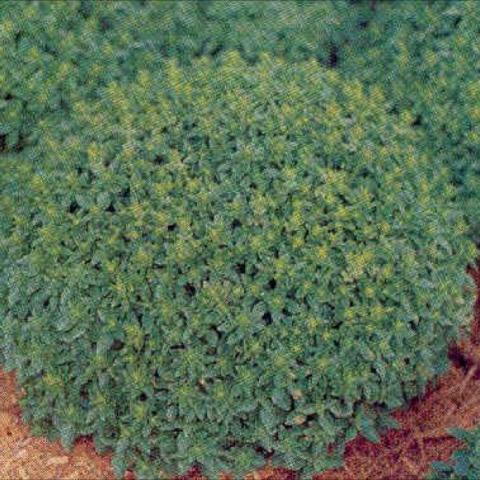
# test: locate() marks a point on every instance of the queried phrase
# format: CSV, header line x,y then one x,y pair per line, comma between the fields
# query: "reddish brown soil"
x,y
25,457
403,454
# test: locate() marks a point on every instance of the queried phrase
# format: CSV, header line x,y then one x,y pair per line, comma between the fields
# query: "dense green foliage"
x,y
465,462
185,274
426,55
219,258
75,47
423,54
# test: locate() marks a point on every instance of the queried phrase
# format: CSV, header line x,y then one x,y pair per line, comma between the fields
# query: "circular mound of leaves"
x,y
222,263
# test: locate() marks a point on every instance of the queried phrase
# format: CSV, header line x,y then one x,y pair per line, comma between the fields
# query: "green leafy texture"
x,y
426,55
75,48
465,462
204,260
212,259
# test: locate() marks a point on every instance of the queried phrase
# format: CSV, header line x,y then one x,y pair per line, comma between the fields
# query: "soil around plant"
x,y
403,454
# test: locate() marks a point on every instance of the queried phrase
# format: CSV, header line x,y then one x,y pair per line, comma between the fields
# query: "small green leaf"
x,y
282,399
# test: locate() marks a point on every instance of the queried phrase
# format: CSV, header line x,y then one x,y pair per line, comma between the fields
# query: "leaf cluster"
x,y
210,255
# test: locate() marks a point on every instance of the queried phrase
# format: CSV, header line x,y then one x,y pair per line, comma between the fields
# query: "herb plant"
x,y
210,254
222,262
